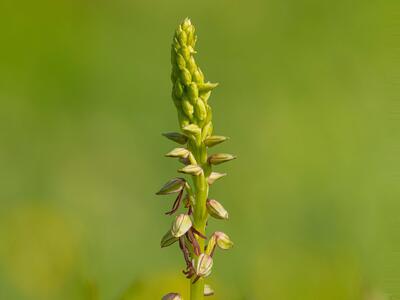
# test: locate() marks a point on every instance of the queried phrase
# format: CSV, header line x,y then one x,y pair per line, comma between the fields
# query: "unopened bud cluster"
x,y
190,92
191,95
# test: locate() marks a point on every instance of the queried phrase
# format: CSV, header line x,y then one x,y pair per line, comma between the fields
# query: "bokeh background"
x,y
308,94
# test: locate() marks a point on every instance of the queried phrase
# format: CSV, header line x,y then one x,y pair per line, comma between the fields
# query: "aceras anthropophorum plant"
x,y
191,94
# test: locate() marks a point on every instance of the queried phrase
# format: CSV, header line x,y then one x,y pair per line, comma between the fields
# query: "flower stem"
x,y
200,211
197,290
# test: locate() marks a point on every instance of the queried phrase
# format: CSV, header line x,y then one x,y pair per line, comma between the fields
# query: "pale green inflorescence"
x,y
191,94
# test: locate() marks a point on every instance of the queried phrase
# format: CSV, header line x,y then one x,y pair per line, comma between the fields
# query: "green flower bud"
x,y
214,176
187,108
186,24
197,77
178,90
181,225
193,92
191,170
207,130
223,240
216,209
219,158
203,266
192,39
183,119
200,110
176,137
190,36
168,239
192,67
206,96
201,72
188,74
182,37
208,291
172,296
185,52
207,86
215,140
192,129
192,51
178,152
175,185
180,61
186,78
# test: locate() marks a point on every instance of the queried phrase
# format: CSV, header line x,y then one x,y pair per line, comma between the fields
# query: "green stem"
x,y
197,290
199,210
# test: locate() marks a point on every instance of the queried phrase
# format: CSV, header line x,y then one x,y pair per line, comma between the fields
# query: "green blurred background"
x,y
308,94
